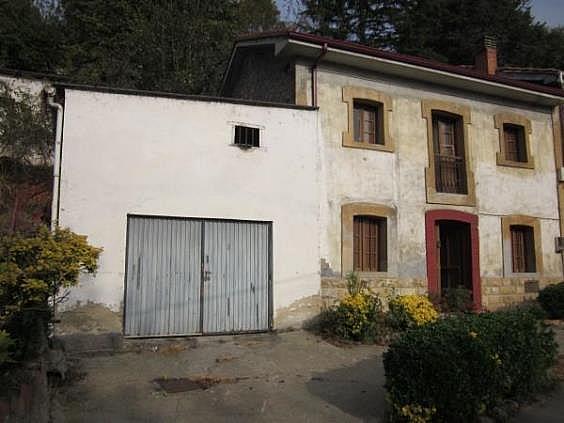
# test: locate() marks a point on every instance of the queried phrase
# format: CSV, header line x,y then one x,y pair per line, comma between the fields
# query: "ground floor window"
x,y
369,244
523,249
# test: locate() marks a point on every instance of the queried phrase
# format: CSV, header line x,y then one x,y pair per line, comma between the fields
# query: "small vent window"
x,y
246,137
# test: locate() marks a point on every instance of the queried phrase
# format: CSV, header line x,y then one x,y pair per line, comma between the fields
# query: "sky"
x,y
549,11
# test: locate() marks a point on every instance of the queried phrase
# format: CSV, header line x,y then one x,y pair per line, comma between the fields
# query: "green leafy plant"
x,y
408,311
6,344
464,365
34,270
456,300
551,299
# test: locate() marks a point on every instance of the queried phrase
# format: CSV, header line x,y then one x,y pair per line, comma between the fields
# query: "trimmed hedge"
x,y
551,299
462,366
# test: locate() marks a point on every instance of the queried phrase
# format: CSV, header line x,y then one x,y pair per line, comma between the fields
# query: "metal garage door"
x,y
196,276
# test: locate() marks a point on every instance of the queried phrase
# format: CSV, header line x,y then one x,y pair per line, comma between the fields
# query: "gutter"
x,y
324,51
50,92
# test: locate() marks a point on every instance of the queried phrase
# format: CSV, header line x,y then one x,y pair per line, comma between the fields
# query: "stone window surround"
x,y
506,223
350,94
511,118
348,211
434,197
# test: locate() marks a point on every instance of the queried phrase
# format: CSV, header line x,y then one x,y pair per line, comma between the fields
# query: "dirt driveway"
x,y
286,377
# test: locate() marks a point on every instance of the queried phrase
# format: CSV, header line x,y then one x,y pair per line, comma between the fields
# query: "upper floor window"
x,y
368,122
369,244
523,249
450,164
246,137
368,119
514,140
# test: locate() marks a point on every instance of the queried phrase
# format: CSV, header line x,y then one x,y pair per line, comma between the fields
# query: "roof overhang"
x,y
406,67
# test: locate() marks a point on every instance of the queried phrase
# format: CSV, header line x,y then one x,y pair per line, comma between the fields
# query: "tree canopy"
x,y
446,30
172,45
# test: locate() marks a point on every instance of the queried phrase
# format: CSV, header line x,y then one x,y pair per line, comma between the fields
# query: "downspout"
x,y
50,91
324,50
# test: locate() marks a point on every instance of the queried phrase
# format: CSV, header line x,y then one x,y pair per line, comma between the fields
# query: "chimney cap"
x,y
490,41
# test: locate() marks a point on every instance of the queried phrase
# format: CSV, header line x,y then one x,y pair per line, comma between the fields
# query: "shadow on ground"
x,y
356,390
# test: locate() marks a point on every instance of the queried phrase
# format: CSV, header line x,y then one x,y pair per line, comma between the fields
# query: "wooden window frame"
x,y
519,220
378,99
428,108
362,246
502,119
348,212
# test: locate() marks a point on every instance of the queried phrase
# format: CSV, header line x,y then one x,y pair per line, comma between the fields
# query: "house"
x,y
433,176
246,212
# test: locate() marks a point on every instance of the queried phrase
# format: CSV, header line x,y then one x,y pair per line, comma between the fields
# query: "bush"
x,y
462,366
407,311
551,298
33,272
358,316
6,344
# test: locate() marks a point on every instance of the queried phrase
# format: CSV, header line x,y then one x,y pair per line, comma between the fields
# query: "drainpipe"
x,y
324,50
50,91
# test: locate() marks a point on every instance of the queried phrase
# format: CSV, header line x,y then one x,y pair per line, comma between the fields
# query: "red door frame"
x,y
431,218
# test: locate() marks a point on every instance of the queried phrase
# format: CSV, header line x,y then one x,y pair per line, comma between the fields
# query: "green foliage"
x,y
367,22
6,344
30,35
355,285
456,368
407,311
445,30
551,298
33,271
456,300
25,151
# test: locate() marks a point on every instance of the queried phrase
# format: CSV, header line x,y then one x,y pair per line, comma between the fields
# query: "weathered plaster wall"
x,y
147,155
397,179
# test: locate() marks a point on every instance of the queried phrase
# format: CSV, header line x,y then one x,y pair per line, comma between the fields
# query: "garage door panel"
x,y
163,277
236,257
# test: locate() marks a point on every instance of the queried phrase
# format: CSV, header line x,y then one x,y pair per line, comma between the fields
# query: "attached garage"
x,y
189,276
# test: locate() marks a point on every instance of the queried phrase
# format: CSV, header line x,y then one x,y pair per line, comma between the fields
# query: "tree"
x,y
175,45
25,154
364,21
30,35
451,30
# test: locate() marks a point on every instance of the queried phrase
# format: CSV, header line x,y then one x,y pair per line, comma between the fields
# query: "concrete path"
x,y
288,377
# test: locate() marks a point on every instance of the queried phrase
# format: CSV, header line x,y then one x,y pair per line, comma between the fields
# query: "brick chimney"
x,y
486,60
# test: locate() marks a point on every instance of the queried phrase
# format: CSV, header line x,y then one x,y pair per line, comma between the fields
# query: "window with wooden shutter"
x,y
514,138
368,124
450,165
523,249
370,244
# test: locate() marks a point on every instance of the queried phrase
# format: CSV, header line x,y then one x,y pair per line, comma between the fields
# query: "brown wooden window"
x,y
523,249
368,123
514,139
450,165
370,244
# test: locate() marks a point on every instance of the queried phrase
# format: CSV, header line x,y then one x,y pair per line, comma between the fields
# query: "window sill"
x,y
501,161
373,275
347,142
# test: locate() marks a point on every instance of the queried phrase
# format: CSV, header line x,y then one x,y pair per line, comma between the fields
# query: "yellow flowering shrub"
x,y
411,310
357,317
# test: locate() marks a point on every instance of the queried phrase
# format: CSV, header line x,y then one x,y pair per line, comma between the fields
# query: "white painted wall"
x,y
398,180
159,156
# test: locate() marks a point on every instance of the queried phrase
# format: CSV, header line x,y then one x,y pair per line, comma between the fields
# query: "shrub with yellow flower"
x,y
411,310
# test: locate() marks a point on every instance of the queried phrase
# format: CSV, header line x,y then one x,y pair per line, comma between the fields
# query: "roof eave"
x,y
286,44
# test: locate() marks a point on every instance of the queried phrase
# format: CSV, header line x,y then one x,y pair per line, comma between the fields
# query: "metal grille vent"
x,y
246,137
